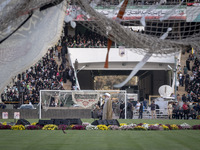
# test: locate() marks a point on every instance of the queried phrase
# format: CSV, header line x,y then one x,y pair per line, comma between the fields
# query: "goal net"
x,y
83,99
156,27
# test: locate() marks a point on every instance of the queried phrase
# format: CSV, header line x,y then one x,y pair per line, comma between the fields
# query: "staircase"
x,y
67,85
184,57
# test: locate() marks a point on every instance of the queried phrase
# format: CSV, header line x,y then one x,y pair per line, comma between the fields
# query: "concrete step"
x,y
67,85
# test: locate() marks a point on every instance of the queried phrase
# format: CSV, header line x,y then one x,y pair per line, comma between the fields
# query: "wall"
x,y
50,113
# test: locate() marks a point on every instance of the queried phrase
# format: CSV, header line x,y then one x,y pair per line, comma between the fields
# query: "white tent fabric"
x,y
26,46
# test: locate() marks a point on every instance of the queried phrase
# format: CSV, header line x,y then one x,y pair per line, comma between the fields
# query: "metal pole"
x,y
125,104
175,73
40,116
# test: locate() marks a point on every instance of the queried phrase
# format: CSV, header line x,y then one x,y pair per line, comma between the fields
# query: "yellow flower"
x,y
18,127
174,127
102,127
4,123
34,123
123,124
50,127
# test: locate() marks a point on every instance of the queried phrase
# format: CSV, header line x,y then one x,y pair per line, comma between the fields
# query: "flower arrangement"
x,y
4,123
33,127
50,127
140,128
34,123
196,127
88,126
5,127
18,127
140,124
165,127
114,127
91,127
78,127
123,124
127,127
155,127
145,125
174,127
184,126
102,127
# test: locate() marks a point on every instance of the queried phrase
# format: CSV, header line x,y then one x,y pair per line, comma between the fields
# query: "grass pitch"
x,y
103,140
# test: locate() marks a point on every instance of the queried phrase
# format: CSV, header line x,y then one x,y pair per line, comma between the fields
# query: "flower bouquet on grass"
x,y
164,127
34,123
18,127
196,127
155,127
33,127
174,127
91,127
127,127
50,127
102,127
123,124
78,127
113,127
140,128
184,126
5,127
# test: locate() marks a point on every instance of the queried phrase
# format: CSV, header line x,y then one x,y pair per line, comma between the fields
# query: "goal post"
x,y
80,99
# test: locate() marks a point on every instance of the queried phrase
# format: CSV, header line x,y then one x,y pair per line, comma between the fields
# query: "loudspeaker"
x,y
23,122
106,122
44,122
61,121
113,122
75,121
98,122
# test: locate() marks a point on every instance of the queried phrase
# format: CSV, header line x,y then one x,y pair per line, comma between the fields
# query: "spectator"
x,y
153,110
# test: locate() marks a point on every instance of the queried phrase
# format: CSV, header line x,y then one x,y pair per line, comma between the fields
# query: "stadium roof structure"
x,y
119,59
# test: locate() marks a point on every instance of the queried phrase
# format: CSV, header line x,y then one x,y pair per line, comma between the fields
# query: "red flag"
x,y
119,16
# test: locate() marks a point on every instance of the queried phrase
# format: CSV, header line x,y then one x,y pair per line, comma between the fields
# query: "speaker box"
x,y
44,122
106,122
74,121
113,122
98,122
23,122
61,121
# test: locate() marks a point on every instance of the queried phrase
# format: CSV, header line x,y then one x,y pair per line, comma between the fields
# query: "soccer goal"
x,y
52,101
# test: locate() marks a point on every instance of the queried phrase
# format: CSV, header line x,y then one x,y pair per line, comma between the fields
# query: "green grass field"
x,y
103,140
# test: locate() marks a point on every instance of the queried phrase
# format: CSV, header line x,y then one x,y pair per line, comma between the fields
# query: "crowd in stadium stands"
x,y
188,106
87,40
190,78
46,74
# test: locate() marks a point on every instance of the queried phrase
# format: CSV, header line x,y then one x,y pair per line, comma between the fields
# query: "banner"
x,y
16,115
121,51
137,12
4,115
84,99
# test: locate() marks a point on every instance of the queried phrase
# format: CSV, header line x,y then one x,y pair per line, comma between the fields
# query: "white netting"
x,y
83,99
32,40
168,27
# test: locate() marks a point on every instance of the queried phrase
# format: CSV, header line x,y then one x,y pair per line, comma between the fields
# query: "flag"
x,y
119,17
192,50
